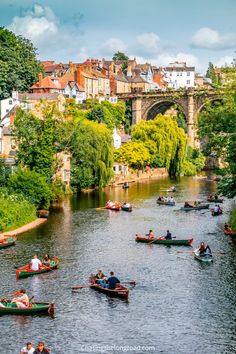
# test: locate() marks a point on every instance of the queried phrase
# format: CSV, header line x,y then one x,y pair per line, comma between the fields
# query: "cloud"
x,y
148,43
112,45
208,38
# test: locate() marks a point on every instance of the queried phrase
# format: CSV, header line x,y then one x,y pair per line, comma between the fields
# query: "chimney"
x,y
79,78
40,79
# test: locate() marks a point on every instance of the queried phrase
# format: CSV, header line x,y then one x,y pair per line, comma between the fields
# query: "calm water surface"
x,y
178,305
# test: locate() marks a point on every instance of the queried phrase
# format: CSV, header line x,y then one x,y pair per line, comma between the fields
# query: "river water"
x,y
178,305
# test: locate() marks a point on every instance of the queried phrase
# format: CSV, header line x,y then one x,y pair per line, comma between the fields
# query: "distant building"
x,y
116,139
179,75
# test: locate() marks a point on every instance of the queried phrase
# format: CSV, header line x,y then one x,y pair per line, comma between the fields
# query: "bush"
x,y
32,186
15,211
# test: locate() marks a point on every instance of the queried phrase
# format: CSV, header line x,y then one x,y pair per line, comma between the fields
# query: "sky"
x,y
156,31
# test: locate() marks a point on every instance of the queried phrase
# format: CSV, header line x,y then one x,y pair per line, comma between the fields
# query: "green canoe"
x,y
25,271
163,241
34,309
7,242
199,207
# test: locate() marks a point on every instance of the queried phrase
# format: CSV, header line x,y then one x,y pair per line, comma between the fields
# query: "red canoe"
x,y
229,232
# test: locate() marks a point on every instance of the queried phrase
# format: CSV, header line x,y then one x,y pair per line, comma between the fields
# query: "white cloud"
x,y
148,43
224,61
112,45
208,38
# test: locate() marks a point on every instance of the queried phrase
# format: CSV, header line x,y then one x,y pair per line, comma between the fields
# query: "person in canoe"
x,y
173,188
172,199
46,260
187,205
112,281
41,349
203,249
168,235
100,278
35,263
160,199
28,349
150,235
22,300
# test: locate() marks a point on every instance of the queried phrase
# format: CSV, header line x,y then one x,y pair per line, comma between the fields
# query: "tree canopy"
x,y
19,67
134,153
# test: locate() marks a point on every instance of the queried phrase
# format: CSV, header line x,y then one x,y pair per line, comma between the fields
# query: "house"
x,y
119,84
179,75
159,78
202,82
30,102
138,83
116,139
147,74
7,104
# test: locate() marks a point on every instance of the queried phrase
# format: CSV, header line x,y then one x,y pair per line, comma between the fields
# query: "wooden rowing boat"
x,y
163,241
214,213
229,232
206,258
212,200
25,271
161,202
7,242
199,207
36,308
121,291
126,208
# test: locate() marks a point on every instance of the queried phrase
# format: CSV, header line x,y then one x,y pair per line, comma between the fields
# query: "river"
x,y
178,304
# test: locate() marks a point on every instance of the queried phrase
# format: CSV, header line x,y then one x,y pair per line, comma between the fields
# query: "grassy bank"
x,y
15,211
233,219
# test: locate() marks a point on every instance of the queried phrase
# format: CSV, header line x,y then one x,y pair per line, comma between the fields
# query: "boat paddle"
x,y
78,287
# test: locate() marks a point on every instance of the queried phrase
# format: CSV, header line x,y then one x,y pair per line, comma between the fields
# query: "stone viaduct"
x,y
146,105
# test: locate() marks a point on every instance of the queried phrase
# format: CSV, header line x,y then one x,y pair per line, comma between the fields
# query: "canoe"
x,y
163,241
125,208
160,202
229,232
213,213
25,271
206,258
7,242
34,309
219,200
120,292
199,207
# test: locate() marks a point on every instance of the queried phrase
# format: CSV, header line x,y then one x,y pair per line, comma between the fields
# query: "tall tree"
x,y
211,74
19,66
122,56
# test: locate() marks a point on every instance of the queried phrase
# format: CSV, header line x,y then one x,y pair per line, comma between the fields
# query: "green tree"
x,y
19,67
165,140
33,186
121,56
211,74
134,154
113,115
217,127
36,139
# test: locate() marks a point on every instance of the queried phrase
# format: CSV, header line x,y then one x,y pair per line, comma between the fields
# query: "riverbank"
x,y
24,228
233,219
156,173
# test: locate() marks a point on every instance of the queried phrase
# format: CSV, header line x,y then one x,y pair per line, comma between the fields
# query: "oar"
x,y
78,287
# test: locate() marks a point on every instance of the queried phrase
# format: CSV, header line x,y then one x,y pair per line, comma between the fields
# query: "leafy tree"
x,y
134,153
113,115
211,74
121,56
36,139
165,140
128,116
5,172
33,186
19,67
217,127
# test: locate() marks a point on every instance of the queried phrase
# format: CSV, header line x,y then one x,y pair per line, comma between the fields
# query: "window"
x,y
10,101
188,73
188,82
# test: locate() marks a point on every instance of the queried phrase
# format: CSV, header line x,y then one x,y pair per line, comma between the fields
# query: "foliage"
x,y
58,190
19,67
211,74
36,139
188,168
113,115
128,116
90,145
217,127
121,56
165,140
15,211
194,161
33,186
181,121
134,153
5,172
233,219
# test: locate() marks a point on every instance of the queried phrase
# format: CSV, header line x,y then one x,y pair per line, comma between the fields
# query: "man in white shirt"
x,y
28,349
35,263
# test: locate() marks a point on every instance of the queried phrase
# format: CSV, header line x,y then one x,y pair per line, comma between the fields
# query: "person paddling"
x,y
151,235
168,235
21,301
35,263
112,281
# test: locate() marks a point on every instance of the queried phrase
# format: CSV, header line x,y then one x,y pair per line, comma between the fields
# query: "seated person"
x,y
172,199
216,209
202,248
159,198
187,205
46,260
216,196
112,281
168,235
41,349
226,227
35,263
100,278
151,235
28,349
21,301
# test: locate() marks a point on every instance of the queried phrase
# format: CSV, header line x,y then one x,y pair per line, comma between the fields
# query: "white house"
x,y
116,139
8,104
179,75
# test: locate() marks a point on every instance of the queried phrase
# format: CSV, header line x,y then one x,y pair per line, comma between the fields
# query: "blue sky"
x,y
157,31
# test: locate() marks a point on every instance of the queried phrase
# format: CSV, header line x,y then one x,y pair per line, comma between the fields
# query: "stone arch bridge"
x,y
146,105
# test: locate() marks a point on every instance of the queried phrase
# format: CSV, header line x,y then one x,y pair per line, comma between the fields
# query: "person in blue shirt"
x,y
112,281
168,235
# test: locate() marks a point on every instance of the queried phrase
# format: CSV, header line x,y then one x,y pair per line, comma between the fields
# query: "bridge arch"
x,y
161,106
